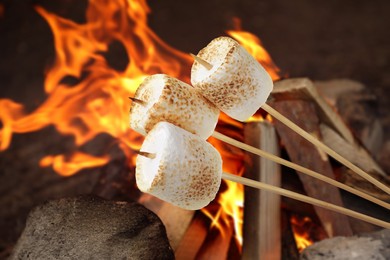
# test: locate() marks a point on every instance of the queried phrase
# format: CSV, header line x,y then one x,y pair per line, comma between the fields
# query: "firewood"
x,y
262,234
304,89
193,239
176,220
357,106
216,244
353,153
305,154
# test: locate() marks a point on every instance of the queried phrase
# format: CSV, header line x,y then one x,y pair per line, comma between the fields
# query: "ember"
x,y
306,232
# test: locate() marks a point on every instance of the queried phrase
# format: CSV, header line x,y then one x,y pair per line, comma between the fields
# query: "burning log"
x,y
361,157
262,231
216,245
304,89
289,248
176,220
193,239
303,153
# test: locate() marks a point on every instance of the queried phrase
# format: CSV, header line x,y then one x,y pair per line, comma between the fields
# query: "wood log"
x,y
216,244
193,239
304,89
175,219
303,113
358,156
357,106
262,235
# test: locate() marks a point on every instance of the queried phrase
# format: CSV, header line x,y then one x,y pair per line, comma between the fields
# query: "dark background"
x,y
312,38
318,39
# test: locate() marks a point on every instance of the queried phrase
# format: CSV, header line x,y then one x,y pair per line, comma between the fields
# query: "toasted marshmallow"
x,y
184,170
237,84
168,99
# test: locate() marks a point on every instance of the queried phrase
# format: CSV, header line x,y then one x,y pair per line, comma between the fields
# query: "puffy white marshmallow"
x,y
237,84
171,100
185,169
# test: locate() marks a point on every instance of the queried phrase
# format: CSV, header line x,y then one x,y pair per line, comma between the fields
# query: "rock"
x,y
375,246
92,228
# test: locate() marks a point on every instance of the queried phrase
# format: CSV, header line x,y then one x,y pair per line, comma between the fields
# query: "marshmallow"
x,y
171,100
184,170
237,84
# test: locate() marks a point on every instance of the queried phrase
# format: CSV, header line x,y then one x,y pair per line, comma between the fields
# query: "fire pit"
x,y
100,60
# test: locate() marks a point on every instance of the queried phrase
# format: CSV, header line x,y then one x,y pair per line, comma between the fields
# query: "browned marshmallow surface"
x,y
186,170
171,100
237,84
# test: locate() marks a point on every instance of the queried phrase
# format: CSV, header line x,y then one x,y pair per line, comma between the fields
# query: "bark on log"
x,y
176,220
304,89
303,113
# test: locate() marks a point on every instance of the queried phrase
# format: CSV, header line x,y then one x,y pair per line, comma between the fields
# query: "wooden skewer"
x,y
286,163
138,101
202,62
299,168
312,139
146,154
303,198
324,147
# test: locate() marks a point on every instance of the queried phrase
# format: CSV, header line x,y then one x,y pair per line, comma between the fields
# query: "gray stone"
x,y
92,228
374,246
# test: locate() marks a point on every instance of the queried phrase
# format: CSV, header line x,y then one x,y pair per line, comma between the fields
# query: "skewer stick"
x,y
146,154
138,101
286,163
324,147
303,198
299,168
204,63
312,139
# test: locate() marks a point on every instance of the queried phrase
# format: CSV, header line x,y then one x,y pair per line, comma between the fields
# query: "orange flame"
x,y
254,46
98,102
300,229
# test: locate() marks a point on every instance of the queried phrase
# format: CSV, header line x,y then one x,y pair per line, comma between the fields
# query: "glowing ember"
x,y
98,102
306,232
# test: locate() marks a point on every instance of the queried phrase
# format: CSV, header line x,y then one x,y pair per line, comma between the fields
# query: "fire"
x,y
255,47
98,102
302,227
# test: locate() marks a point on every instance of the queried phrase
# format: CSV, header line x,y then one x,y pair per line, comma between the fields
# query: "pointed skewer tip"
x,y
138,101
146,154
202,62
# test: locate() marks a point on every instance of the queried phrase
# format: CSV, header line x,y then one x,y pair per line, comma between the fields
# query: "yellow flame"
x,y
98,102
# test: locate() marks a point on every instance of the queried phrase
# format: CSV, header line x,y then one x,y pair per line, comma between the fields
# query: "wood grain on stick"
x,y
274,113
297,167
301,152
303,198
